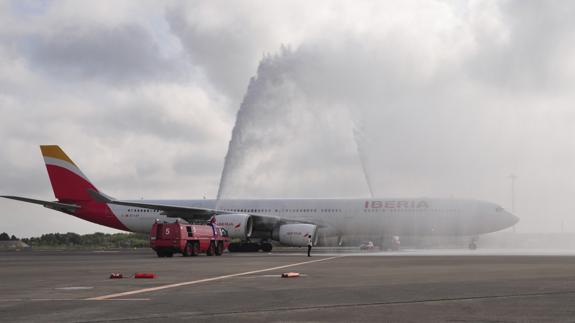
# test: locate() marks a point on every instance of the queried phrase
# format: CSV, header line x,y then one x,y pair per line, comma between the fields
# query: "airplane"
x,y
255,223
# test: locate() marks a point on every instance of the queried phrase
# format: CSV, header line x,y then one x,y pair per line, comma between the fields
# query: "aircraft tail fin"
x,y
68,182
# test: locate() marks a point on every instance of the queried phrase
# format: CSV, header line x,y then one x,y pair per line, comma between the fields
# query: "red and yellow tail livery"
x,y
68,181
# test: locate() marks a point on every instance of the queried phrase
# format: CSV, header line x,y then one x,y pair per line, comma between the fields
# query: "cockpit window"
x,y
498,209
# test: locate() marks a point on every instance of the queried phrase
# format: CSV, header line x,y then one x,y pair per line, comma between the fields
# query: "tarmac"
x,y
407,286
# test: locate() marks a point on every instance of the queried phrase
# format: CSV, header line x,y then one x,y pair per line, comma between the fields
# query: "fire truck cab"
x,y
188,239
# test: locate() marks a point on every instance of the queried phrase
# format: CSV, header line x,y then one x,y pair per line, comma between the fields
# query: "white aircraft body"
x,y
254,223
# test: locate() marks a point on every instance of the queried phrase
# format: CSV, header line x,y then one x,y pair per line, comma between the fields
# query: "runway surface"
x,y
445,286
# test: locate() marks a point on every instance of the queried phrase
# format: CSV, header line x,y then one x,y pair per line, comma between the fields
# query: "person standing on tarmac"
x,y
309,245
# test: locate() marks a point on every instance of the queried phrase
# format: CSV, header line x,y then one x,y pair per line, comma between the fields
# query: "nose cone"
x,y
510,219
495,218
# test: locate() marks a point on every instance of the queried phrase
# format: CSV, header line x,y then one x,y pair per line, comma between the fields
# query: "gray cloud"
x,y
225,54
533,49
142,119
116,54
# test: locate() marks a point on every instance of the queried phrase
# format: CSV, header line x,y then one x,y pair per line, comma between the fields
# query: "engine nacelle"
x,y
297,234
239,226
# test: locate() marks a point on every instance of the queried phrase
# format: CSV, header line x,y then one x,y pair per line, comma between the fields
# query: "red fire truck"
x,y
188,239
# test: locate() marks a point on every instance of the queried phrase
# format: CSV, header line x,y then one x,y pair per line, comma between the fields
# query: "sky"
x,y
186,99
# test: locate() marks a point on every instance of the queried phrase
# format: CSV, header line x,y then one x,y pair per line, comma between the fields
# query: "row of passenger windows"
x,y
283,210
254,210
143,210
411,210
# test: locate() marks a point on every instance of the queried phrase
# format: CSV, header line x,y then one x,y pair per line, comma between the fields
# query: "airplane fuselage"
x,y
451,217
289,221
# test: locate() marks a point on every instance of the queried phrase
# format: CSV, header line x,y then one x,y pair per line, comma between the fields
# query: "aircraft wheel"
x,y
472,246
267,247
244,247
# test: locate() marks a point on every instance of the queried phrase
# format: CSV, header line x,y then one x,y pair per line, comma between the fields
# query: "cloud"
x,y
527,49
450,97
117,96
123,54
227,42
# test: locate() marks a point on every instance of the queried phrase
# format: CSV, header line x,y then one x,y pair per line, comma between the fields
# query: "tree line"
x,y
98,239
6,237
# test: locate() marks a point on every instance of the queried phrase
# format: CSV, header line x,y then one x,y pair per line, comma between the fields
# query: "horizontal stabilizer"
x,y
51,205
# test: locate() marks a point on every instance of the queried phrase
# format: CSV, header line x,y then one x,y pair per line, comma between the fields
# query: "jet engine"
x,y
296,234
239,226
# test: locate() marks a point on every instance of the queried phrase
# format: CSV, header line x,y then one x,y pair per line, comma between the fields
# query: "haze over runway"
x,y
418,99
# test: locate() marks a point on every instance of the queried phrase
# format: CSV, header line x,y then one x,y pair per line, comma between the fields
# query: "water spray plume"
x,y
359,137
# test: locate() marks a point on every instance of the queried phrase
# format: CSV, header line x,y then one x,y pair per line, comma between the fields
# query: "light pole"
x,y
513,177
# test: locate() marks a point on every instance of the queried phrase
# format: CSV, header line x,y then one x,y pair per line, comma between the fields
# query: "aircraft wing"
x,y
67,208
184,212
191,213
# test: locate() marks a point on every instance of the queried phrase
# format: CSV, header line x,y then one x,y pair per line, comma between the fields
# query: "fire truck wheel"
x,y
220,249
195,248
169,254
160,254
188,250
211,249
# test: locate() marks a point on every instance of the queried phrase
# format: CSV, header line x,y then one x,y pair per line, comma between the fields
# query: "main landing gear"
x,y
264,246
